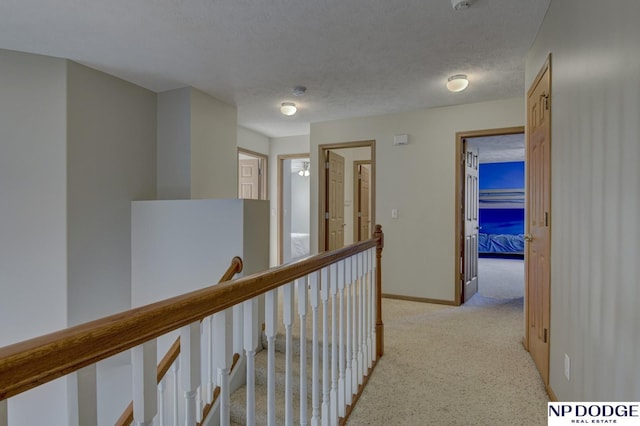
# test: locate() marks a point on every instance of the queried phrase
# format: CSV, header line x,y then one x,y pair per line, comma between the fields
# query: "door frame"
x,y
459,199
264,177
357,197
322,184
281,159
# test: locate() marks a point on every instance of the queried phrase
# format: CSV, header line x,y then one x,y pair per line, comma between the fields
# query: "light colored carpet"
x,y
448,365
501,278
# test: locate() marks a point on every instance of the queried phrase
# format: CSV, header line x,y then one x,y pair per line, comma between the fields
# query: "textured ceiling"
x,y
357,57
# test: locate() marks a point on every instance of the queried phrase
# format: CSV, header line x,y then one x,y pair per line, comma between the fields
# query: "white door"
x,y
471,226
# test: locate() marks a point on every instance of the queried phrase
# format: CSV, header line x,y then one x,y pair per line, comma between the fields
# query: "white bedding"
x,y
299,245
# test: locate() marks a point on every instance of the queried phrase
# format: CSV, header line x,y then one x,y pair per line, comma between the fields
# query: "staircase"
x,y
238,398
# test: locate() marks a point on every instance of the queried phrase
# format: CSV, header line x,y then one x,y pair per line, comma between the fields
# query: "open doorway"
x,y
346,201
252,175
490,234
294,212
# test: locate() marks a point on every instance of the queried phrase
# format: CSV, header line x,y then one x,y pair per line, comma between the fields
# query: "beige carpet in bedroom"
x,y
463,365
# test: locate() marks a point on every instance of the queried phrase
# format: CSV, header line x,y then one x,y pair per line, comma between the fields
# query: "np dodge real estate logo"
x,y
575,413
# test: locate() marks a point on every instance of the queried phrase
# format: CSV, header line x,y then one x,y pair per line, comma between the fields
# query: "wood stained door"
x,y
537,261
249,179
335,201
471,224
364,221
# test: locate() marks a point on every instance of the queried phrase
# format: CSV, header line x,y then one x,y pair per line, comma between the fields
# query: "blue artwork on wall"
x,y
501,207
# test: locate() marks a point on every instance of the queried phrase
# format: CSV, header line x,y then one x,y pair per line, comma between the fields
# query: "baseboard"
x,y
552,395
419,299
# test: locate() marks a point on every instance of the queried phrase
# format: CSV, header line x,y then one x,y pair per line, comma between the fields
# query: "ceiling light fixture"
x,y
288,108
457,83
305,170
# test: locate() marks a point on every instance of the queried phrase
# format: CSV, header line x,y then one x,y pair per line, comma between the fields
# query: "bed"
x,y
300,246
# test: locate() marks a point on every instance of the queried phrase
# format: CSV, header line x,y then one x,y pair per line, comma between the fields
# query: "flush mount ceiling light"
x,y
457,83
288,108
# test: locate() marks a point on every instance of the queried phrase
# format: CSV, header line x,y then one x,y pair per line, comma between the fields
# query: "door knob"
x,y
528,237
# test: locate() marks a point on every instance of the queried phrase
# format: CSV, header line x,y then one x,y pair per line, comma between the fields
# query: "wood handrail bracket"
x,y
36,361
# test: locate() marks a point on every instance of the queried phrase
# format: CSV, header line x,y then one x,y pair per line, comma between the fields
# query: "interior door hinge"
x,y
545,335
326,215
546,218
326,165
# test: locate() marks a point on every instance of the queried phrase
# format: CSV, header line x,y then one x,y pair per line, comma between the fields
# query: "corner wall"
x,y
33,228
111,150
595,199
419,180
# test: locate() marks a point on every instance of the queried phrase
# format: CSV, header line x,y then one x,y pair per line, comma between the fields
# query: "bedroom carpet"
x,y
465,365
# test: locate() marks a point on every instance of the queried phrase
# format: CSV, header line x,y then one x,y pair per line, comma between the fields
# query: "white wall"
x,y
419,180
253,141
595,202
174,144
280,146
300,201
111,160
214,156
33,229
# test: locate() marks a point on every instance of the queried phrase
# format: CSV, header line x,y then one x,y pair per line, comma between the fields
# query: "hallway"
x,y
447,365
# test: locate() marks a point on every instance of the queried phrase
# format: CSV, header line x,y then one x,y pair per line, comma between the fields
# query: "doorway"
x,y
339,200
294,211
490,203
252,175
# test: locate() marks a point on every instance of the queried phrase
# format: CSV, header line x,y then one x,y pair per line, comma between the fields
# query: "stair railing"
x,y
346,278
169,361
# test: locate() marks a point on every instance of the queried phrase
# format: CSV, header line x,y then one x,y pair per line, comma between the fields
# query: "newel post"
x,y
379,236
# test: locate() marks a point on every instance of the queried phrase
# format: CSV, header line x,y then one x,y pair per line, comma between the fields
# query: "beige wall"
x,y
253,141
111,161
595,152
214,159
419,180
174,144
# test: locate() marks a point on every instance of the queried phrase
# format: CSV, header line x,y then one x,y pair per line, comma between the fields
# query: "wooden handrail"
x,y
126,418
33,362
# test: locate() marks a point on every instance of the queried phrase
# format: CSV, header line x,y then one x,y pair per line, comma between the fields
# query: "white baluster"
x,y
4,413
250,345
374,304
341,372
324,296
199,404
223,338
315,370
145,386
354,325
348,391
211,362
175,369
238,329
287,297
361,335
367,312
371,308
271,329
333,395
190,368
302,312
82,394
162,386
